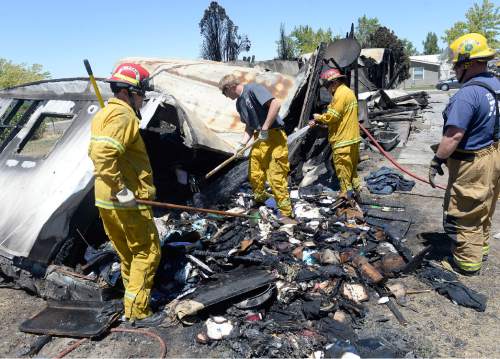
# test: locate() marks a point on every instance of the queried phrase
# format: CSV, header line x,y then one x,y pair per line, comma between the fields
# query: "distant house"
x,y
427,70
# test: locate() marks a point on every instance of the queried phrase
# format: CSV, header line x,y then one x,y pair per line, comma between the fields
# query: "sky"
x,y
59,34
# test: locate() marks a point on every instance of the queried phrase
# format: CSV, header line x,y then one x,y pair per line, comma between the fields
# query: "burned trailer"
x,y
48,215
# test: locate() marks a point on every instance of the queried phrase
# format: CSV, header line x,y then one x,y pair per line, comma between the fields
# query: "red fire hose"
x,y
75,345
393,160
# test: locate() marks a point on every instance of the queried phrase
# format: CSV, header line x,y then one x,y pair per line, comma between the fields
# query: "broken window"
x,y
418,73
43,136
14,118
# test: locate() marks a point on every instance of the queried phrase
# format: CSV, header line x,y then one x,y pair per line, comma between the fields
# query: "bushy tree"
x,y
15,74
431,44
366,26
286,46
385,38
220,38
306,39
483,19
409,49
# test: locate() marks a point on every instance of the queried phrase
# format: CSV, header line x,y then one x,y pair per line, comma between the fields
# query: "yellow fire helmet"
x,y
468,47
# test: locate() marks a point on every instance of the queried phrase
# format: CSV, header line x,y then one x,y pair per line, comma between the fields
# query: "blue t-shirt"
x,y
472,109
251,106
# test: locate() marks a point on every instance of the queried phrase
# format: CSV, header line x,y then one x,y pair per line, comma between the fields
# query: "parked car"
x,y
445,85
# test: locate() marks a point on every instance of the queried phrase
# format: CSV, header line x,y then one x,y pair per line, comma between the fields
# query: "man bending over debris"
x,y
343,130
122,173
470,149
258,110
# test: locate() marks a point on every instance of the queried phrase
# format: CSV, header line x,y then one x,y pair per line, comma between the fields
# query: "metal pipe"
x,y
192,209
229,160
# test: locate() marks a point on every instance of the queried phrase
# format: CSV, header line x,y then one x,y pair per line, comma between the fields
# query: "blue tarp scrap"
x,y
386,180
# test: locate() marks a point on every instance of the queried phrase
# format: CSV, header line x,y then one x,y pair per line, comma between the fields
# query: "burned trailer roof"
x,y
193,83
45,169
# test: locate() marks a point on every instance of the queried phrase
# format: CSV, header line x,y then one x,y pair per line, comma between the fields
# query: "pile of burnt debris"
x,y
254,288
388,114
260,289
266,289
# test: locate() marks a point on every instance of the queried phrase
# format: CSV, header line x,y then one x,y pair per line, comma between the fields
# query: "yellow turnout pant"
x,y
269,160
345,161
469,204
135,239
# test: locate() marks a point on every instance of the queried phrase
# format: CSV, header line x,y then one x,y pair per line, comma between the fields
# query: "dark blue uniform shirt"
x,y
472,109
251,106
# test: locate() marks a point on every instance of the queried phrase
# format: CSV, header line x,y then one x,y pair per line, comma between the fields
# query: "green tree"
x,y
15,74
366,26
483,19
220,38
286,46
431,44
385,38
409,49
306,39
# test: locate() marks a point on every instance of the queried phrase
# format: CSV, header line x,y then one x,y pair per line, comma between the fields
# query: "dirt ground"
x,y
437,327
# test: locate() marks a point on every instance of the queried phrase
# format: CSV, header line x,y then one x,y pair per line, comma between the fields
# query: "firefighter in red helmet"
x,y
122,174
343,131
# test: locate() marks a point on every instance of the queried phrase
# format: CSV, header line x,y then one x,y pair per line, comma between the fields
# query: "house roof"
x,y
427,59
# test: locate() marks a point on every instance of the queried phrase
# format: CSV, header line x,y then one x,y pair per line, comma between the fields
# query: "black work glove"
x,y
435,167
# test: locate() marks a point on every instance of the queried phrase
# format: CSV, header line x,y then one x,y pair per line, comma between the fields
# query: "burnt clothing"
x,y
446,283
251,106
386,180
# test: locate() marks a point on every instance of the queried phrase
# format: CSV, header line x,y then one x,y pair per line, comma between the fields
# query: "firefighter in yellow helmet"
x,y
343,131
258,110
122,174
469,148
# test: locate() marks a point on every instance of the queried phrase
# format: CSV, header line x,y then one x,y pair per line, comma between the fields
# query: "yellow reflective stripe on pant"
x,y
130,295
467,266
269,161
469,205
345,161
135,239
339,144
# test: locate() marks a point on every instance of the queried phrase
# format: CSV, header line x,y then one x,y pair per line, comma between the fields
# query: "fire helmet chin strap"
x,y
132,104
466,67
